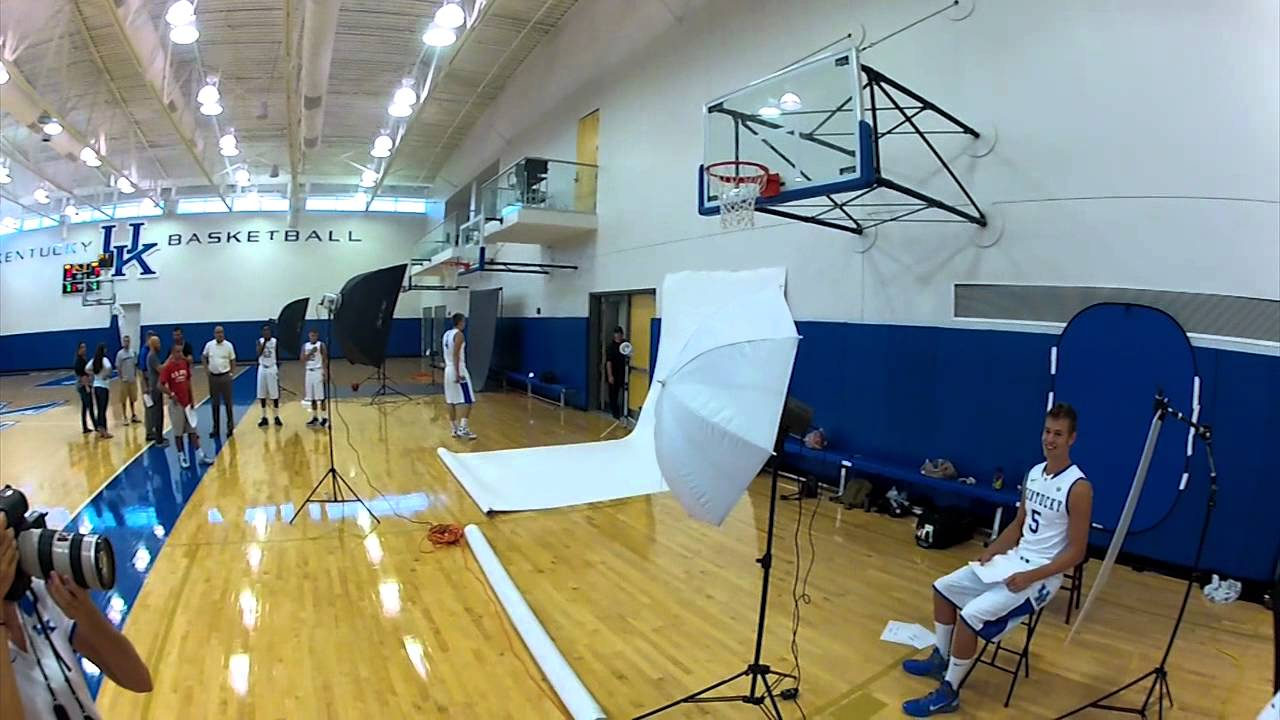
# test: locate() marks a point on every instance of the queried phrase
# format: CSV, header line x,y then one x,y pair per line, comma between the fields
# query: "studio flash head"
x,y
83,558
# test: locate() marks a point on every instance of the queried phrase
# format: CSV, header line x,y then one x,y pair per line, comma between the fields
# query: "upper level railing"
x,y
542,183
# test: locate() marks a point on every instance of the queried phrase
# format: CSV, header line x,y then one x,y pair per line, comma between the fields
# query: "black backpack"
x,y
941,528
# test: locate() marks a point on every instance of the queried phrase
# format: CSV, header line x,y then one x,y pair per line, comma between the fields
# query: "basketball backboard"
x,y
804,123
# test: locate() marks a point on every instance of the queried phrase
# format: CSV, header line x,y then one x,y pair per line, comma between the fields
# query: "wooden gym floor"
x,y
246,616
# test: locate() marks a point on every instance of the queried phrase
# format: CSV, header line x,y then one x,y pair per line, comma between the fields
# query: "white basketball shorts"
x,y
989,609
458,393
268,383
313,388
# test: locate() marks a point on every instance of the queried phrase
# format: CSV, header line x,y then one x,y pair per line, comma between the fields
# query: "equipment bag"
x,y
940,528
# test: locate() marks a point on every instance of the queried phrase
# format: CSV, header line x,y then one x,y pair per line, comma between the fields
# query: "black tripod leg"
x,y
1099,702
312,494
692,696
773,700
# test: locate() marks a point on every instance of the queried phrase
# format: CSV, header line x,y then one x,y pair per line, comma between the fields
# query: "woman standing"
x,y
84,386
101,368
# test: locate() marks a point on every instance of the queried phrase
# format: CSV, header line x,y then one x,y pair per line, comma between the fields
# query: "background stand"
x,y
1159,675
383,390
340,491
763,678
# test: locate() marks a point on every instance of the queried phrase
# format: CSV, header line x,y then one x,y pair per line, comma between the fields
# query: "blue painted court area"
x,y
7,411
138,508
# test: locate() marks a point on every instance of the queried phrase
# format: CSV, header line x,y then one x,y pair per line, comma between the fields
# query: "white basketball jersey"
x,y
1044,532
316,361
268,357
454,337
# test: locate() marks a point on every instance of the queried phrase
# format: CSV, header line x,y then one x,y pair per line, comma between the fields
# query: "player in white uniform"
x,y
316,358
458,392
1049,536
268,376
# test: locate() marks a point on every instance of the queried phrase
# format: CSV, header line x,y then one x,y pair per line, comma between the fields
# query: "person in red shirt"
x,y
175,380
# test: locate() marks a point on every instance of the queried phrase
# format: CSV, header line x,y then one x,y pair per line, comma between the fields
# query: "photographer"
x,y
47,628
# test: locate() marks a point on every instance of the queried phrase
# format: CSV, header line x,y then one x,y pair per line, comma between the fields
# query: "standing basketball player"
x,y
316,357
268,377
458,393
1049,536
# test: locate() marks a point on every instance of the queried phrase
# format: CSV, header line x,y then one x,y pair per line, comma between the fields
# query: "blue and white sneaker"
x,y
942,700
934,666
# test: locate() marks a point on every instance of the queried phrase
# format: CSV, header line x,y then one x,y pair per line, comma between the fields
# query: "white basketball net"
x,y
737,195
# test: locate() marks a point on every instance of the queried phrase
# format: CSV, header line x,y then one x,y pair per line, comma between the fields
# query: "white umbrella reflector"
x,y
717,414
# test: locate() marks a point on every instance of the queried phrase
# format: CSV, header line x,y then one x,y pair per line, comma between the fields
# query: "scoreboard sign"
x,y
77,278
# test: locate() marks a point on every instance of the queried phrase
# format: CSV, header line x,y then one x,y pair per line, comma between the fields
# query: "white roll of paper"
x,y
575,696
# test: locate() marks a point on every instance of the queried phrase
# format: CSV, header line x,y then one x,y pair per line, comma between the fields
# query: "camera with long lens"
x,y
83,558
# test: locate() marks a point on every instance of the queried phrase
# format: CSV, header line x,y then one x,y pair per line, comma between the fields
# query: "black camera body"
x,y
86,559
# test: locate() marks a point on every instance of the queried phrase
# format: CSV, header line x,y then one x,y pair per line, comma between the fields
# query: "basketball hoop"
x,y
451,269
737,184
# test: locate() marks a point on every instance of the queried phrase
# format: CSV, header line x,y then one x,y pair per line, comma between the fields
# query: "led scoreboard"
x,y
79,277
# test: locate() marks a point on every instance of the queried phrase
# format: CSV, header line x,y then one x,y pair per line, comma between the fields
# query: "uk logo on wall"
x,y
128,252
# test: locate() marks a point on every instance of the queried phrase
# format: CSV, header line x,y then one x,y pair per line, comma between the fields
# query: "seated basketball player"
x,y
1048,537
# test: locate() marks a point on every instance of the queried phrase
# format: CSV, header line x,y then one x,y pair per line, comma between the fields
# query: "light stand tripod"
x,y
384,390
337,483
1159,675
762,676
625,420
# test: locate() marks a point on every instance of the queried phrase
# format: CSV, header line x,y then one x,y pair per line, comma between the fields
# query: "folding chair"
x,y
1023,665
1073,583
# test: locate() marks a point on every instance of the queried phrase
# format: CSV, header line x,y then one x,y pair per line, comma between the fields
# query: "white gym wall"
x,y
203,281
1099,107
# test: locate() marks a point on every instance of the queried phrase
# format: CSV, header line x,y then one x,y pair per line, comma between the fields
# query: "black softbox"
x,y
362,323
288,329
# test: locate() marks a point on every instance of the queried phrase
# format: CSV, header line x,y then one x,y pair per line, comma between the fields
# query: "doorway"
x,y
584,191
633,311
130,322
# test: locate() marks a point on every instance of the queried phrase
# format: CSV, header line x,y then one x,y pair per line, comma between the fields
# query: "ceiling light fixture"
x,y
211,109
125,185
438,36
50,125
769,111
368,179
4,74
40,195
405,95
89,157
184,34
451,16
182,12
242,177
70,210
5,177
382,146
208,94
227,145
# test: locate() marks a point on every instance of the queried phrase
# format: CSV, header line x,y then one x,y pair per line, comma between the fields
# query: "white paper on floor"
x,y
554,476
913,634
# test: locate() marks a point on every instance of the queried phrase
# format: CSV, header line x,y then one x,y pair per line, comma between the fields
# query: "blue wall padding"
x,y
1112,359
55,350
542,344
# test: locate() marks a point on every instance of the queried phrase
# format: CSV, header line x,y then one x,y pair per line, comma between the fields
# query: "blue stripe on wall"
x,y
55,350
904,393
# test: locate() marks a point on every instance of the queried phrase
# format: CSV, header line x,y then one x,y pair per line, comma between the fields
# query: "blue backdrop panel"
x,y
1112,360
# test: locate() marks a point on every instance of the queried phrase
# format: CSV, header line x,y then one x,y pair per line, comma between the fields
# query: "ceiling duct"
x,y
319,27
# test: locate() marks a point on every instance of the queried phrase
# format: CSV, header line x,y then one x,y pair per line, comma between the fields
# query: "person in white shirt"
x,y
220,361
127,367
315,356
1049,536
44,629
268,376
458,392
100,367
